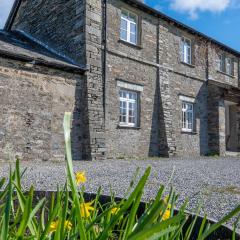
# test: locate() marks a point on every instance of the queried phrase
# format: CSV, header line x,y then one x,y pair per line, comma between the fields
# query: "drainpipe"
x,y
104,54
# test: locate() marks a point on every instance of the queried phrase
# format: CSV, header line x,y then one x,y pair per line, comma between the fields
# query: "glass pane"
x,y
133,28
190,107
188,43
133,38
124,14
123,24
131,119
131,113
123,35
130,95
121,93
184,120
132,17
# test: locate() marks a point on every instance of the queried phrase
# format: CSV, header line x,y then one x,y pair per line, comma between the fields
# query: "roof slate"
x,y
18,46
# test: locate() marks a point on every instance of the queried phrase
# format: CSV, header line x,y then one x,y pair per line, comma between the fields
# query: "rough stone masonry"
x,y
87,33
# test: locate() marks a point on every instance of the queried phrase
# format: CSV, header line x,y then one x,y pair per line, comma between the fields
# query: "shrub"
x,y
68,216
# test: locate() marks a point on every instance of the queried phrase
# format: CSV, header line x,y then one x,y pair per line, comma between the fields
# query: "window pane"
x,y
133,28
133,38
187,42
124,24
123,35
131,119
124,14
132,17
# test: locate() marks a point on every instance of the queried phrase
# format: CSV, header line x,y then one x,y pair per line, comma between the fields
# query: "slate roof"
x,y
18,46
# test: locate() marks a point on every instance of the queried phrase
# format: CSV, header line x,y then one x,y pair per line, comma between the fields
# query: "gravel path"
x,y
215,182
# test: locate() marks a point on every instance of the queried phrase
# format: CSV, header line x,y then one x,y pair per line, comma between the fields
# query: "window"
x,y
128,108
229,66
221,65
128,29
187,117
226,64
186,51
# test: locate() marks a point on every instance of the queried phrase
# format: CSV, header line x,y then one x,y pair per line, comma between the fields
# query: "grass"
x,y
68,216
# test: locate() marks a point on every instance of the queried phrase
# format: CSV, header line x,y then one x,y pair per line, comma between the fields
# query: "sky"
x,y
219,19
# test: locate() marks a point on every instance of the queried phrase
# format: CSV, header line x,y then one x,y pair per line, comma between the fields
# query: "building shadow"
x,y
158,140
202,116
80,134
213,120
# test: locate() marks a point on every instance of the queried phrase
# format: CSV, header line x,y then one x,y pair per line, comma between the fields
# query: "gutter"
x,y
12,15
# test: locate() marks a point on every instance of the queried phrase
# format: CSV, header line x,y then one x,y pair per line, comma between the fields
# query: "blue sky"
x,y
219,19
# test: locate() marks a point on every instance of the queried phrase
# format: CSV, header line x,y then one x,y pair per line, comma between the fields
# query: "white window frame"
x,y
129,22
185,111
127,100
186,58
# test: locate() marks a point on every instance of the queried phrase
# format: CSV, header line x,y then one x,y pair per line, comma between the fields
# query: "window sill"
x,y
128,127
138,46
229,75
188,133
188,64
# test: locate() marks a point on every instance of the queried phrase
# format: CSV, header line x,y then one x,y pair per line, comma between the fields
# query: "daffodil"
x,y
53,226
86,208
114,210
68,225
80,177
166,215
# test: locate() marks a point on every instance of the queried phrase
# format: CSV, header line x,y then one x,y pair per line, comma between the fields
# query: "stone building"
x,y
139,83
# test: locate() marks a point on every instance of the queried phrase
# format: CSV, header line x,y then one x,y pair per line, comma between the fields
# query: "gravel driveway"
x,y
215,182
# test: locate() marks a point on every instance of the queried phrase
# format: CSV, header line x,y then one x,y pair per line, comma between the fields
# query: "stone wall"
x,y
74,29
77,29
32,105
155,63
215,74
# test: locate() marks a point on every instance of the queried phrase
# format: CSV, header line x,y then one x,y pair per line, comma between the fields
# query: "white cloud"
x,y
5,7
193,7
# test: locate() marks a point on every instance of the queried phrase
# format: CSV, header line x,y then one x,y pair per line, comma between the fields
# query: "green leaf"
x,y
71,177
7,211
127,204
215,226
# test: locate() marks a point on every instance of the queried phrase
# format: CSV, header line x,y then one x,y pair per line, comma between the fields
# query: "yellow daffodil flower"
x,y
68,225
86,208
114,211
166,215
80,177
53,226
